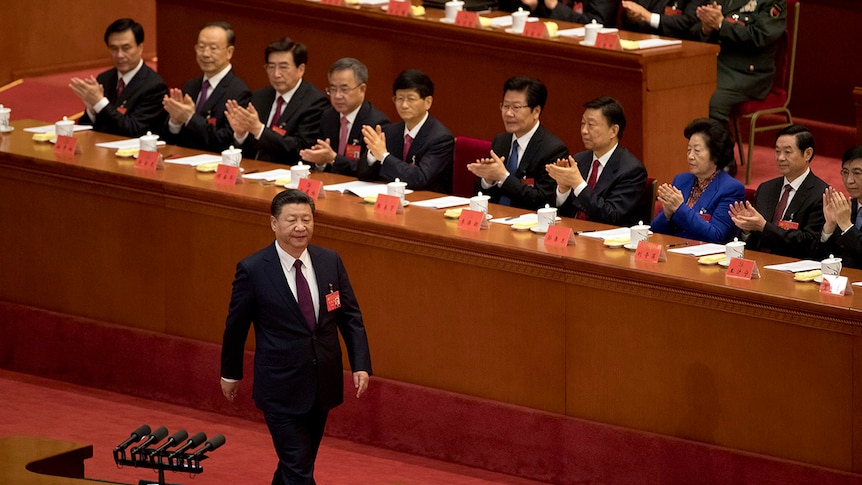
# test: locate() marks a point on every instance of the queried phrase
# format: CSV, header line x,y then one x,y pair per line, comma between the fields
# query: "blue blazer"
x,y
715,201
292,365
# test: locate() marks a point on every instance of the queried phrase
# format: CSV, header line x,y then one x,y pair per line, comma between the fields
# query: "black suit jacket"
x,y
292,366
544,148
330,127
617,197
847,246
210,130
141,100
300,120
429,161
602,11
806,209
678,25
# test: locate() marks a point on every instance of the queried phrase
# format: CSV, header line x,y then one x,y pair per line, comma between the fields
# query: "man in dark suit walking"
x,y
787,215
196,113
283,118
606,182
125,100
418,149
299,298
340,141
515,172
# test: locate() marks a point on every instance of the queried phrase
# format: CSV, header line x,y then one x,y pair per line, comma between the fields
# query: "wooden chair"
x,y
467,150
778,99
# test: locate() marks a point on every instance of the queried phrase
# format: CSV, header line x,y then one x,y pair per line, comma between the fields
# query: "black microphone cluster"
x,y
148,453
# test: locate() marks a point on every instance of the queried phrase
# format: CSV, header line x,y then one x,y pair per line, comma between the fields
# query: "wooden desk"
x,y
661,90
37,461
767,365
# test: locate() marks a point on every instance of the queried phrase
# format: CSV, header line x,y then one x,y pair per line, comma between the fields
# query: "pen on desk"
x,y
588,230
677,245
512,218
251,171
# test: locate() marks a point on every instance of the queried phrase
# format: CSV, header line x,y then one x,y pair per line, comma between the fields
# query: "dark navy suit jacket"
x,y
141,100
330,127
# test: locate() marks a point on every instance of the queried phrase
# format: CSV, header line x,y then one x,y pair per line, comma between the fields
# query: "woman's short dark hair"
x,y
717,137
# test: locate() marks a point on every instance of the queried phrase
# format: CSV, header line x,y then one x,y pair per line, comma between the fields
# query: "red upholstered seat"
x,y
467,150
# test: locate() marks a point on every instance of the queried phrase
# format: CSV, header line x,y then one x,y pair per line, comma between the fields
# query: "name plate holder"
x,y
559,236
314,188
227,174
835,285
467,19
652,252
535,30
609,41
149,161
388,204
398,8
472,220
742,268
66,146
334,3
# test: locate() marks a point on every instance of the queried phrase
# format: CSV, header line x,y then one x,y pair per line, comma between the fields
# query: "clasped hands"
x,y
491,169
88,89
836,210
566,173
242,120
321,153
180,107
746,217
710,16
636,12
670,197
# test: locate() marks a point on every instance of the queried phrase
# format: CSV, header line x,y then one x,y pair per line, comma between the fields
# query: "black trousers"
x,y
296,438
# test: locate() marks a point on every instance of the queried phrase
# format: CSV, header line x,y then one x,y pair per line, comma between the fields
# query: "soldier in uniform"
x,y
748,32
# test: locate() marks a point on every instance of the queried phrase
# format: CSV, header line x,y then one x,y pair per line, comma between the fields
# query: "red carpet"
x,y
47,98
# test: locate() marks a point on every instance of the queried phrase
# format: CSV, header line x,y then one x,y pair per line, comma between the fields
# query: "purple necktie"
x,y
408,140
278,105
203,96
303,297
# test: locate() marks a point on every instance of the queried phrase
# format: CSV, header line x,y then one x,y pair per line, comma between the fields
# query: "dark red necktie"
x,y
342,136
205,87
303,297
782,205
591,183
408,140
278,105
120,86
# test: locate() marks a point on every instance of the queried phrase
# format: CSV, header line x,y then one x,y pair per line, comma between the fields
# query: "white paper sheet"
x,y
617,233
796,266
195,160
125,144
270,175
50,128
360,188
580,32
443,202
699,250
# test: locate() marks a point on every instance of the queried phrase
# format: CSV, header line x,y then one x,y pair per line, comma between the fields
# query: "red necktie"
x,y
303,296
591,183
342,136
278,105
120,86
782,205
408,140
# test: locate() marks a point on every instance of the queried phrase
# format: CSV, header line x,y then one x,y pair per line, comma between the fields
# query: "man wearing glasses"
x,y
515,173
196,113
283,118
418,149
340,141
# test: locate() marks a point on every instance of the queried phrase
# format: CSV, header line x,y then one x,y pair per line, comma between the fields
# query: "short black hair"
x,y
804,138
414,79
717,137
297,49
612,110
229,33
121,25
289,196
360,71
535,91
852,153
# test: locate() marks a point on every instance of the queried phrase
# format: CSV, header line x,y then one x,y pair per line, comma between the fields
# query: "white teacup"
x,y
64,127
519,19
452,8
639,233
591,31
397,188
734,249
5,114
831,266
232,156
297,172
547,216
479,202
149,142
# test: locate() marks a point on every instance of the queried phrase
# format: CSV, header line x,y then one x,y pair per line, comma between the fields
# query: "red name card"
x,y
835,285
608,41
337,3
472,220
467,19
559,236
65,145
398,8
227,174
314,188
743,268
388,204
536,30
652,252
147,160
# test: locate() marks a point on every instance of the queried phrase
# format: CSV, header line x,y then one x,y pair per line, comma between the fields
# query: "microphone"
x,y
191,443
136,435
155,437
174,439
210,445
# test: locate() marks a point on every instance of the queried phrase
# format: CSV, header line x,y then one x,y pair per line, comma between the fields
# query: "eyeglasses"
x,y
402,99
201,48
857,173
272,67
511,107
342,90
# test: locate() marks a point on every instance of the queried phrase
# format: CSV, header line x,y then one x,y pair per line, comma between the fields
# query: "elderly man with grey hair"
x,y
340,141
